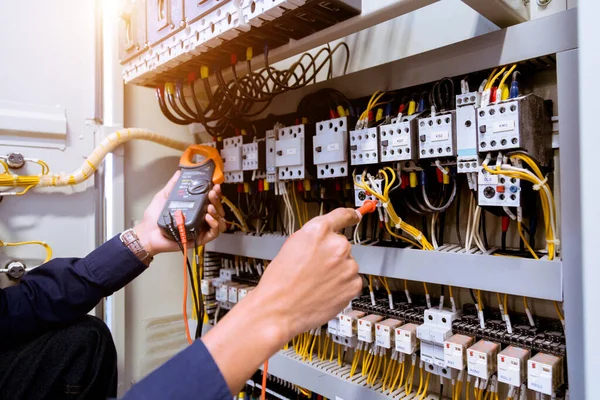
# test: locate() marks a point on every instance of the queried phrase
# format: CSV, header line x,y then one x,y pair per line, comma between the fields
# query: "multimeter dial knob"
x,y
198,187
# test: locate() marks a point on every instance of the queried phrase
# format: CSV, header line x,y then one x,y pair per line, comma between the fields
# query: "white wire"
x,y
433,240
445,206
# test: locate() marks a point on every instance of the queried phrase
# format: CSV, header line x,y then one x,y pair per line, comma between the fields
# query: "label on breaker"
x,y
333,147
453,355
252,156
365,331
368,146
333,326
345,328
231,159
488,179
504,126
383,336
400,141
509,370
477,363
439,136
291,152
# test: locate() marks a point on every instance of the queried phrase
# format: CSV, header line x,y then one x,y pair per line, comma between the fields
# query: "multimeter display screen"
x,y
181,204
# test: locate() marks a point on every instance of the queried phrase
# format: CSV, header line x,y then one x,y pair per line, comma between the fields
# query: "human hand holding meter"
x,y
151,236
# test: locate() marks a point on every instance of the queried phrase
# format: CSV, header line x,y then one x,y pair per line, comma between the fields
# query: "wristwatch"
x,y
131,240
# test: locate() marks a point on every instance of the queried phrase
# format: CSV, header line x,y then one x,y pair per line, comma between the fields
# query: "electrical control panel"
x,y
466,132
498,190
520,123
364,146
289,153
397,141
232,159
437,136
330,148
253,156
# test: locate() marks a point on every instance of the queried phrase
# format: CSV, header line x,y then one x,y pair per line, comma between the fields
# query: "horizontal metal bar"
x,y
540,279
499,12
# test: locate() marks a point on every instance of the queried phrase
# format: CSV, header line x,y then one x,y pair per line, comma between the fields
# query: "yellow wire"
x,y
557,308
506,75
297,208
409,381
30,242
479,300
491,82
234,224
490,78
525,241
426,386
425,287
236,212
467,392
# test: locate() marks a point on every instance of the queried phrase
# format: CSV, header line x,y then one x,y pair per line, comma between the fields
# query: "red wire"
x,y
263,394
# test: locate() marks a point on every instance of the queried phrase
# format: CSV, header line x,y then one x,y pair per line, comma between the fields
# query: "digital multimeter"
x,y
201,169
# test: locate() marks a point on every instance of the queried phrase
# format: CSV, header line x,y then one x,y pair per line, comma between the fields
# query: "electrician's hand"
x,y
314,276
150,234
312,279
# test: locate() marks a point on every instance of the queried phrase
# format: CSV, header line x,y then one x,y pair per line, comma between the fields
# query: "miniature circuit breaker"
x,y
364,146
397,141
545,373
405,338
270,156
330,148
290,153
482,359
455,351
520,123
366,328
253,156
435,330
512,365
232,159
437,136
360,195
466,132
497,190
384,332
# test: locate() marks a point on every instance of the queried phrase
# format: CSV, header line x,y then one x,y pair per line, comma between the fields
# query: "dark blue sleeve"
x,y
191,374
64,289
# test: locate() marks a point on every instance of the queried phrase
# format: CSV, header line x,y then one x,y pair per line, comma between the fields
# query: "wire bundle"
x,y
232,102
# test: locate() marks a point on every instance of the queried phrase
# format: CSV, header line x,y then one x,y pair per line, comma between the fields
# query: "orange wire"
x,y
263,393
185,289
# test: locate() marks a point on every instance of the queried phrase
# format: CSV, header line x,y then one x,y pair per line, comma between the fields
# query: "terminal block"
x,y
253,156
498,190
397,141
466,132
364,146
437,136
330,148
232,159
270,156
290,153
520,123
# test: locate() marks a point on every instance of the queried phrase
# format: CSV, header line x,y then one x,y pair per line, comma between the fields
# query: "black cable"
x,y
503,241
482,229
441,226
473,296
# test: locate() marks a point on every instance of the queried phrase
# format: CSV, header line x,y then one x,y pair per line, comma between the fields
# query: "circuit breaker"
x,y
437,136
497,190
330,148
397,141
270,156
520,123
435,330
253,156
290,153
466,132
364,146
232,159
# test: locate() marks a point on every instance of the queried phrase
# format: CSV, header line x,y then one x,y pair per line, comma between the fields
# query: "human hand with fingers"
x,y
152,238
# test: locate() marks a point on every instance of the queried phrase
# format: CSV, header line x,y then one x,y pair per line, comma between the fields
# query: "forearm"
x,y
250,333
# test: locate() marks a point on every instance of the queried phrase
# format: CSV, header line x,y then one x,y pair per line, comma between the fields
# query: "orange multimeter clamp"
x,y
201,169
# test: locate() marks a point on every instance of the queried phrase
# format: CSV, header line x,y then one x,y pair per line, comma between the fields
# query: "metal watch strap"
x,y
131,240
